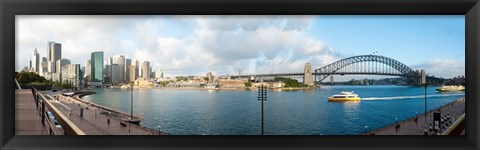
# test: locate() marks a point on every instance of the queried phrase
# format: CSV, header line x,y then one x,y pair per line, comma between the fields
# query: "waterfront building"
x,y
210,77
51,67
120,60
55,76
35,62
133,73
128,63
43,66
137,67
54,53
152,73
71,74
97,66
232,83
81,75
107,71
60,63
116,74
144,83
158,74
88,68
146,69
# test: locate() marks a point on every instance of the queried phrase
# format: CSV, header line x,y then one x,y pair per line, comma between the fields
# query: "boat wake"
x,y
411,97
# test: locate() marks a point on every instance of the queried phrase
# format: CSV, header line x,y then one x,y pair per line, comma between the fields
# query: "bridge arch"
x,y
331,69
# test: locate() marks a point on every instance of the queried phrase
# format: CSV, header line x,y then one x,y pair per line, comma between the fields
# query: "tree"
x,y
24,78
290,82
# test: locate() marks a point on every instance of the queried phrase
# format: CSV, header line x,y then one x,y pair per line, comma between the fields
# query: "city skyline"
x,y
195,45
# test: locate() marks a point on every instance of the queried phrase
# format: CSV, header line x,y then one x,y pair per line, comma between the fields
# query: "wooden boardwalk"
x,y
27,116
416,125
95,121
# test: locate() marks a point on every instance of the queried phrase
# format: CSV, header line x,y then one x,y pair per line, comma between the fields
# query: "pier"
x,y
75,117
416,125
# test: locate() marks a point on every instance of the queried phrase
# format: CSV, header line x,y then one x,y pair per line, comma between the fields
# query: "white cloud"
x,y
446,68
220,44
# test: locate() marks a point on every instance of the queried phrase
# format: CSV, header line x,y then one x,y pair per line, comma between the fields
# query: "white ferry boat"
x,y
344,96
451,88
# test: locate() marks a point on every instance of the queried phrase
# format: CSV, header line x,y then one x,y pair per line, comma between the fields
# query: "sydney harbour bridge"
x,y
356,65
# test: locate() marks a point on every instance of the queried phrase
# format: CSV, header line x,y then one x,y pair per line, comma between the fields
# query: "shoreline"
x,y
222,89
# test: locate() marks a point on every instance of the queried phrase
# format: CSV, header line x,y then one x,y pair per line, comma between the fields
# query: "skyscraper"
x,y
116,73
51,67
133,73
71,74
120,60
60,63
146,69
159,74
36,61
128,63
97,66
137,67
107,74
43,66
54,53
88,69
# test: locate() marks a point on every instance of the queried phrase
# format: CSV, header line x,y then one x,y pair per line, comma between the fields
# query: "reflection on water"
x,y
287,112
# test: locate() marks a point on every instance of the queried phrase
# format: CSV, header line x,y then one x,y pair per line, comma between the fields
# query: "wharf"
x,y
416,125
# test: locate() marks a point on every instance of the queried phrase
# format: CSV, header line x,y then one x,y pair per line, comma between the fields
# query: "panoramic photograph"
x,y
239,75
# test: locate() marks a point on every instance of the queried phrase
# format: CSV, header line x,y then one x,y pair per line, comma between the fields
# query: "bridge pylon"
x,y
308,77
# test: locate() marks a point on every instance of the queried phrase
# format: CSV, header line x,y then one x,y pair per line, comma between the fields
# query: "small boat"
x,y
451,88
344,96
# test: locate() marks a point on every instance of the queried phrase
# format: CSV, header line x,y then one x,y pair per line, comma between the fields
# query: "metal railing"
x,y
372,132
18,85
457,127
44,105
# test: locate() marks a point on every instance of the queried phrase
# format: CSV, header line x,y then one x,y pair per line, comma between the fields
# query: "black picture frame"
x,y
10,8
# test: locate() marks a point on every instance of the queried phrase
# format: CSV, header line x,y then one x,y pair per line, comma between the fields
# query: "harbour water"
x,y
298,112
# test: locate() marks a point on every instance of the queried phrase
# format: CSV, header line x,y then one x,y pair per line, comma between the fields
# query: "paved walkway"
x,y
27,116
96,121
413,126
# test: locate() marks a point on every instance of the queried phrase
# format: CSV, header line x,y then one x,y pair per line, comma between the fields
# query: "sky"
x,y
223,45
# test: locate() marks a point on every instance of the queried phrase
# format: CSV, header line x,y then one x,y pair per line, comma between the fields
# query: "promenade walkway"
x,y
27,116
416,124
96,121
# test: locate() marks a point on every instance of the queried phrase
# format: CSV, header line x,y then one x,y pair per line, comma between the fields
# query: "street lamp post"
x,y
131,107
131,101
424,83
396,125
262,96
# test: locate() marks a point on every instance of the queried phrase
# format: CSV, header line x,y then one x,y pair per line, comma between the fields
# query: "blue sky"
x,y
410,39
195,45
